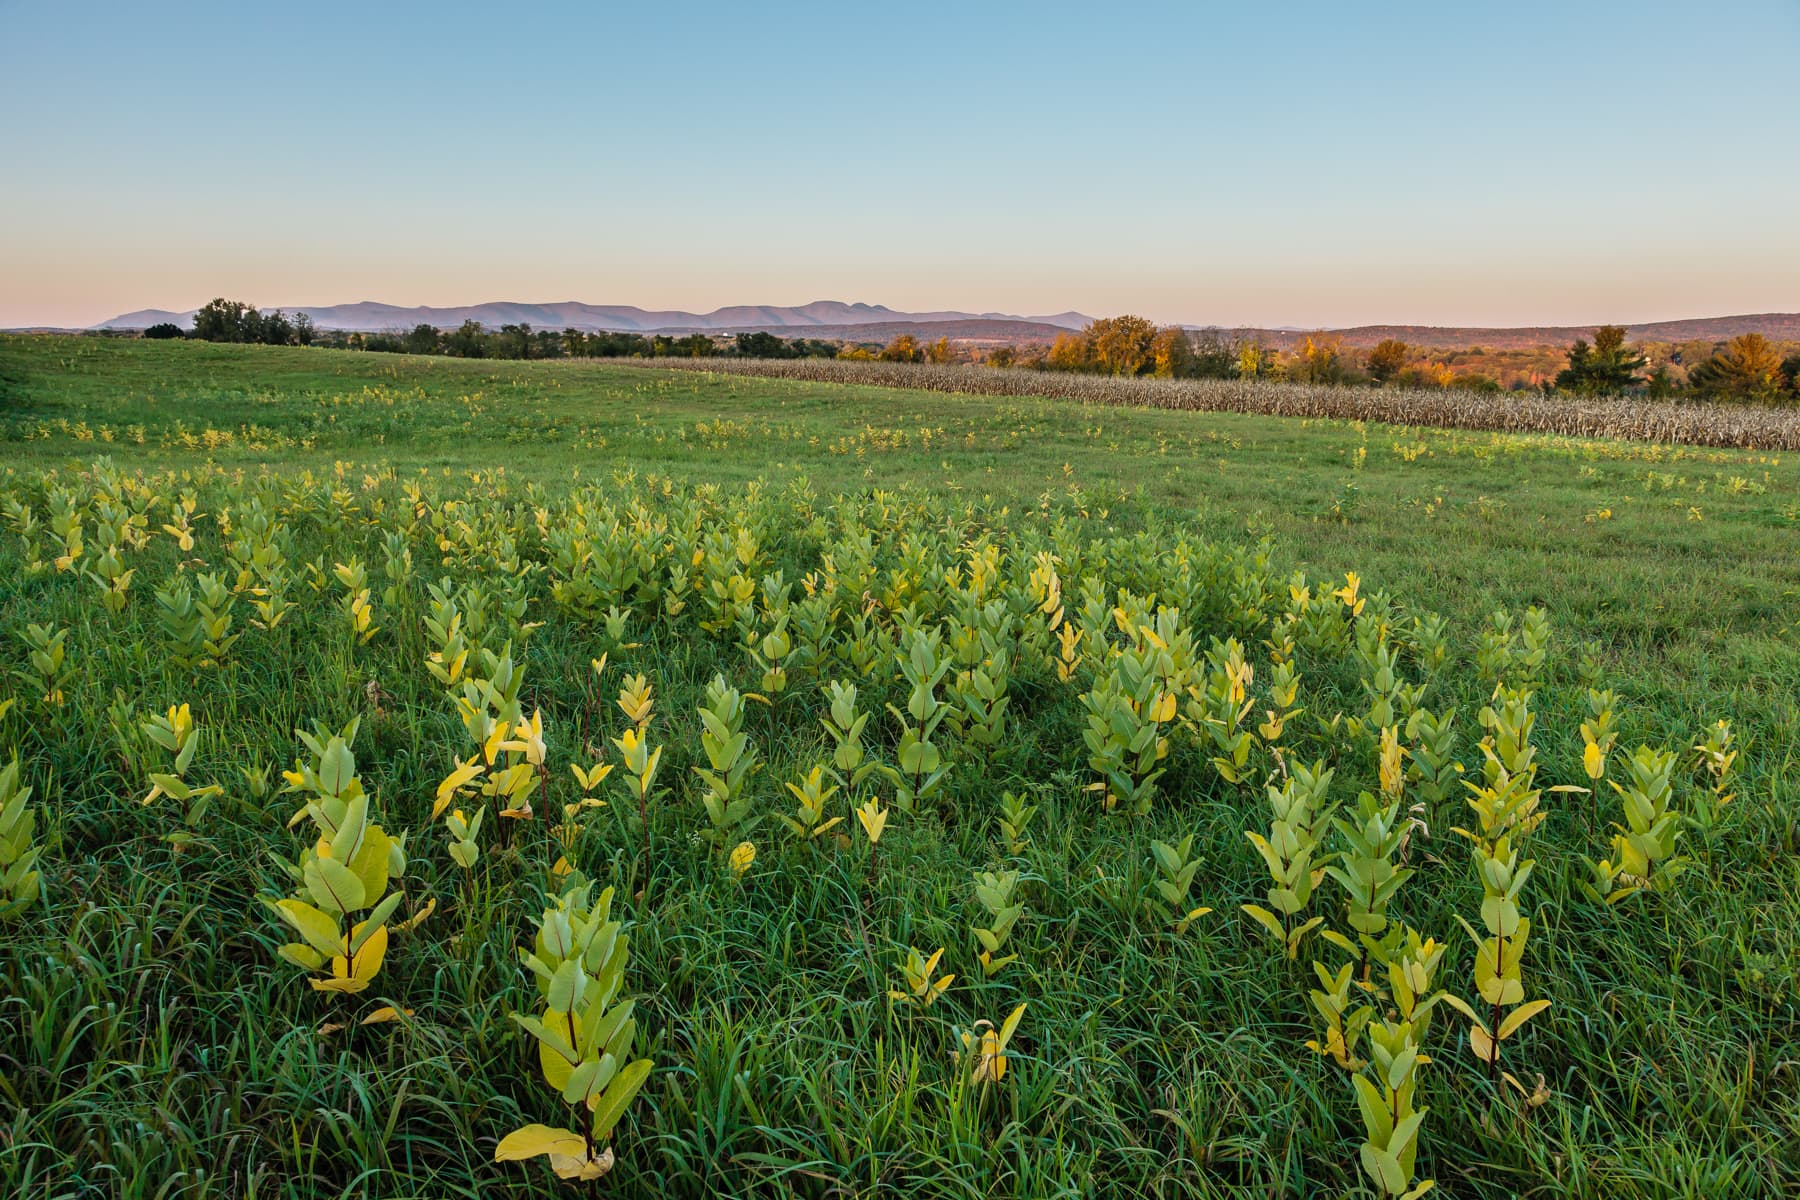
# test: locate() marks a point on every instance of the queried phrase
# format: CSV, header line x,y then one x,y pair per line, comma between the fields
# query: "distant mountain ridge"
x,y
369,316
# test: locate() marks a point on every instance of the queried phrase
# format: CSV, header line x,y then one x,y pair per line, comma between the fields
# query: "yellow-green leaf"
x,y
1519,1016
319,930
534,1140
334,886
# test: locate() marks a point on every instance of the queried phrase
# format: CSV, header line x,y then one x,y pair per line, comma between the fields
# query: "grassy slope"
x,y
1687,582
766,1017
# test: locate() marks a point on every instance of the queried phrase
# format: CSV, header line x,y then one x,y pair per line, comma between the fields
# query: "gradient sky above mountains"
x,y
1311,164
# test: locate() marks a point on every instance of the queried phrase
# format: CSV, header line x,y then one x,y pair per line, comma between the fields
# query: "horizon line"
x,y
901,315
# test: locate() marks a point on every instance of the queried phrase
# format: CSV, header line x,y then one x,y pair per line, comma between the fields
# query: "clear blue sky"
x,y
1301,164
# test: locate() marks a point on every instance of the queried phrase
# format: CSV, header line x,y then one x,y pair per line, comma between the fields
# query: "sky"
x,y
1307,164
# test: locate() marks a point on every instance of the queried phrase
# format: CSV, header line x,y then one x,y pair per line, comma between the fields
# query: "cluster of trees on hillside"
x,y
1134,346
224,320
1131,345
768,345
1749,367
905,349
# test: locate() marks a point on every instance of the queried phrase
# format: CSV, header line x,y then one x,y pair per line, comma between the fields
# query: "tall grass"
x,y
1728,425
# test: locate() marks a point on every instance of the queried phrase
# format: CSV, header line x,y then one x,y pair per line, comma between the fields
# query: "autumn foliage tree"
x,y
904,348
1317,359
1122,345
1387,359
1748,368
1069,352
1172,353
1253,360
1426,375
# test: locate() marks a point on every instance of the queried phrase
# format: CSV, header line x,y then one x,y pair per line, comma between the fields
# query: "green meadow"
x,y
725,537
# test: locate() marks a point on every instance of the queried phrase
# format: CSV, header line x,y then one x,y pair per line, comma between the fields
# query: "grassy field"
x,y
152,1044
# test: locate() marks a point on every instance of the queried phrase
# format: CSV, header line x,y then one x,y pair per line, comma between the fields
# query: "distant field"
x,y
695,527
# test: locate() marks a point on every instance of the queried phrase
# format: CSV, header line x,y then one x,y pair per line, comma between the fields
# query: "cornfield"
x,y
1727,425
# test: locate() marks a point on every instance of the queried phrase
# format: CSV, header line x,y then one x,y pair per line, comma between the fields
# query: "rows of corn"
x,y
1697,424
